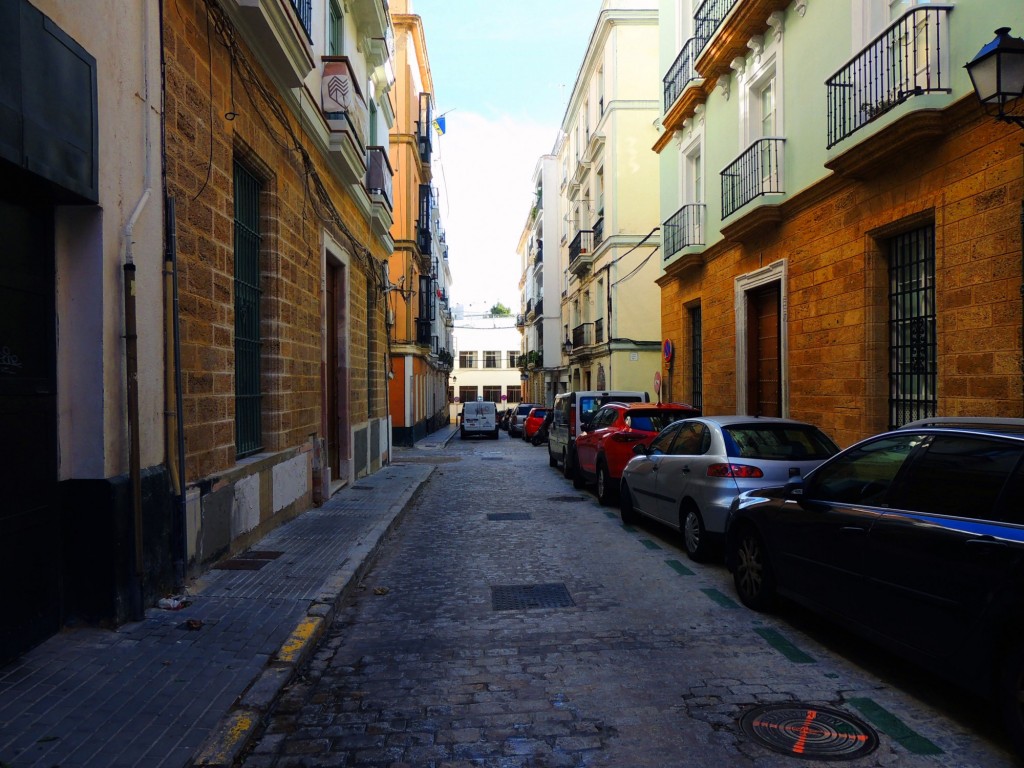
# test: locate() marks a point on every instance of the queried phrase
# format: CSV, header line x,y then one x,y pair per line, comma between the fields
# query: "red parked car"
x,y
606,444
533,422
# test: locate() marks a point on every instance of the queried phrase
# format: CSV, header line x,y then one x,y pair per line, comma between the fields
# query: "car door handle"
x,y
853,529
685,469
986,543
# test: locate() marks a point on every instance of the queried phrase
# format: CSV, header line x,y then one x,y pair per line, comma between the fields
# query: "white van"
x,y
479,418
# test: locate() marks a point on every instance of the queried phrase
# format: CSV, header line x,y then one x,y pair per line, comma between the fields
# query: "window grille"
x,y
913,358
248,430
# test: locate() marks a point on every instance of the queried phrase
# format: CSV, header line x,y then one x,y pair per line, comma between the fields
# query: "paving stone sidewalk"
x,y
187,687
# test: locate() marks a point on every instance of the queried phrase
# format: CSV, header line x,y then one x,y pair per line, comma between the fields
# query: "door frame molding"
x,y
776,272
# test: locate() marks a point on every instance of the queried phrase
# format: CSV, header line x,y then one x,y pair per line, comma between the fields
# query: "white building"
x,y
487,357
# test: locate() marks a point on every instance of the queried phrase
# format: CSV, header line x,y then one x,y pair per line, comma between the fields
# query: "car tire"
x,y
566,466
552,461
605,485
1009,692
752,571
626,511
578,481
695,537
494,434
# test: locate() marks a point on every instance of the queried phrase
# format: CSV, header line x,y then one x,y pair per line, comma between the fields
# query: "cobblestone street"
x,y
513,621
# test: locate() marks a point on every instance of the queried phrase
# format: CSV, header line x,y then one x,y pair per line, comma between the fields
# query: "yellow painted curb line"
x,y
222,750
305,633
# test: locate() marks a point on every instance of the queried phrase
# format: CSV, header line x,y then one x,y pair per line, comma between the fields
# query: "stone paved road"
x,y
634,657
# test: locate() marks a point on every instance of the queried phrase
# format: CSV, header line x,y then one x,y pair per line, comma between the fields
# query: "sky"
x,y
503,72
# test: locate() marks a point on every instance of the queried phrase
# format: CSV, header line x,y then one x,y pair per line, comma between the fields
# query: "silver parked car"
x,y
690,473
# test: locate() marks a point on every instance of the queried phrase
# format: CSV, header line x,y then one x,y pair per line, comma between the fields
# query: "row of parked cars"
x,y
913,538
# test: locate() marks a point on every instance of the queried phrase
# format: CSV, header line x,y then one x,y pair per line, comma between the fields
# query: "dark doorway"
x,y
30,542
764,352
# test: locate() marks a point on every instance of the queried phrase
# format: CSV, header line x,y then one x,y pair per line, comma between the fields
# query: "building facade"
x,y
841,236
487,361
608,200
280,209
419,338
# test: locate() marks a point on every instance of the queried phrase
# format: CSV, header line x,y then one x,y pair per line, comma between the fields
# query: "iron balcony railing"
x,y
599,331
680,73
906,60
683,228
423,333
539,307
707,19
756,172
378,173
304,10
582,336
598,231
581,245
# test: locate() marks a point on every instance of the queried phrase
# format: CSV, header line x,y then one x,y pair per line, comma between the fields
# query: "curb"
x,y
236,728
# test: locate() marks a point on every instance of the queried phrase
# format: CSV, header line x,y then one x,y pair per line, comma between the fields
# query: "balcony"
x,y
680,74
345,111
538,309
907,60
582,336
424,140
723,28
378,186
581,251
371,17
683,228
756,172
423,335
599,230
279,33
424,240
707,19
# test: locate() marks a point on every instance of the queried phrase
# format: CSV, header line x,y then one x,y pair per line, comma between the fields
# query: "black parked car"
x,y
913,538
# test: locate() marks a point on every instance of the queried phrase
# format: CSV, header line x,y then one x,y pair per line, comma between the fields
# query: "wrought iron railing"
x,y
598,231
304,10
581,245
378,173
707,19
680,73
582,336
906,60
758,171
683,228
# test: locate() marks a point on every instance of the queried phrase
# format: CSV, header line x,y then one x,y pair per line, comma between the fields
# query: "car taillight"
x,y
626,437
734,470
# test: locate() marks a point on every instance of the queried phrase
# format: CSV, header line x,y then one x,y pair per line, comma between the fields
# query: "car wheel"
x,y
566,466
1010,695
578,481
695,537
494,434
626,510
552,461
755,583
605,485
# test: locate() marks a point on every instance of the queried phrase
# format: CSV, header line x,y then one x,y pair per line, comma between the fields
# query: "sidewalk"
x,y
189,686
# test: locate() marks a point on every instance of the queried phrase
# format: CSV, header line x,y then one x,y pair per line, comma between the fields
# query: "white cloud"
x,y
484,179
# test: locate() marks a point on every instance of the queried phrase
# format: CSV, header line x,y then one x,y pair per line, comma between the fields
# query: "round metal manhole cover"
x,y
806,731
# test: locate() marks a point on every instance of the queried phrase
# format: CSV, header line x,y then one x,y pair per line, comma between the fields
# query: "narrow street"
x,y
513,621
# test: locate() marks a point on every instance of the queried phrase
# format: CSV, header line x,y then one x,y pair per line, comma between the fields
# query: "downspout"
x,y
135,596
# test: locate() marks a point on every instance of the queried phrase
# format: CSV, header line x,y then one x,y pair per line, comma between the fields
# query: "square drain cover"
x,y
519,597
509,516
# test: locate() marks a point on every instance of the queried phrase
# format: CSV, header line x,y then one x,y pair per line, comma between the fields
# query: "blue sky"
x,y
503,71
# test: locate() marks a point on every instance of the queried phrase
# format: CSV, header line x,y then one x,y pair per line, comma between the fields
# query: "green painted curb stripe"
x,y
649,544
679,568
628,528
611,514
895,728
723,600
784,646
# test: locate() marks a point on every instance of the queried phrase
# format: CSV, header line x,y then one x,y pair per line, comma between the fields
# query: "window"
x,y
492,394
335,27
862,475
372,134
467,394
694,439
513,359
661,443
492,359
467,359
514,394
696,359
248,430
913,356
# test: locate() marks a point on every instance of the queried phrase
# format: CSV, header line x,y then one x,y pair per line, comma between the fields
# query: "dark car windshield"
x,y
792,442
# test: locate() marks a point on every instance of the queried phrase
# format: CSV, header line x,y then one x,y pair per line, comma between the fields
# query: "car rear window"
x,y
652,421
784,442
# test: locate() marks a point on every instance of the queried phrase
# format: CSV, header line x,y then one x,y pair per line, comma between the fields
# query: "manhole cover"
x,y
806,731
518,597
509,516
567,498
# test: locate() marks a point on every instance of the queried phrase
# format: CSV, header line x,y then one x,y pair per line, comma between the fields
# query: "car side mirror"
x,y
795,484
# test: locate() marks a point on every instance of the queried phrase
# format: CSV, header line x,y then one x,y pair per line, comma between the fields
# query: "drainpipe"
x,y
135,605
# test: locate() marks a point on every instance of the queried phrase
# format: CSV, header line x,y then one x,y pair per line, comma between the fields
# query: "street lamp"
x,y
997,74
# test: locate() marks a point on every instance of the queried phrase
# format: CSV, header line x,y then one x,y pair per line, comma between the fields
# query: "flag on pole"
x,y
439,125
